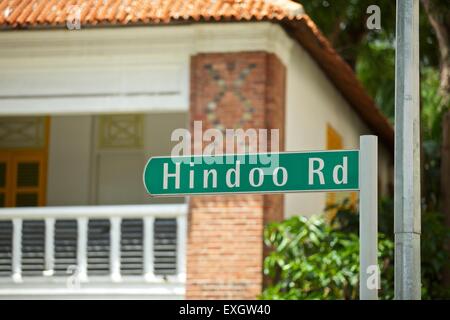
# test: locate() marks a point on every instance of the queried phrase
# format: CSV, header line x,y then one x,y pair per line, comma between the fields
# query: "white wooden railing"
x,y
147,285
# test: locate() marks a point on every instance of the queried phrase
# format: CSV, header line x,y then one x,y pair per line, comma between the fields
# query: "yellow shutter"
x,y
5,179
23,173
28,183
335,142
334,139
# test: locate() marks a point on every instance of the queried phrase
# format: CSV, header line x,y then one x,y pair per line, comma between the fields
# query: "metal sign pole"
x,y
368,218
407,153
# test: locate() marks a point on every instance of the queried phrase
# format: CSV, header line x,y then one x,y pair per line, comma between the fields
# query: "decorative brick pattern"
x,y
225,236
226,86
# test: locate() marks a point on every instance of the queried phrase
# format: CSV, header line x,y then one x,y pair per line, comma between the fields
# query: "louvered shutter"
x,y
65,245
165,246
98,249
6,234
28,173
131,247
33,247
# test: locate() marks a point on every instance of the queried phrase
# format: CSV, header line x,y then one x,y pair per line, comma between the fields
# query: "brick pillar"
x,y
225,236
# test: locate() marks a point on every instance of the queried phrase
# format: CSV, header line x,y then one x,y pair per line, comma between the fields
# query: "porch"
x,y
81,114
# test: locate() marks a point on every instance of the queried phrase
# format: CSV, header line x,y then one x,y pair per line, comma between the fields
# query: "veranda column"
x,y
225,233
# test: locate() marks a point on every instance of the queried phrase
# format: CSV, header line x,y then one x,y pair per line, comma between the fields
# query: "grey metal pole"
x,y
368,218
407,153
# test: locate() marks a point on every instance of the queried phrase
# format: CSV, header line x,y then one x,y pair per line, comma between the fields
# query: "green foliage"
x,y
344,23
313,260
372,55
371,52
431,117
297,263
375,68
432,106
435,258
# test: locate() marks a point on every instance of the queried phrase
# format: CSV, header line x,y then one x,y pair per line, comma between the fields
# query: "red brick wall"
x,y
225,235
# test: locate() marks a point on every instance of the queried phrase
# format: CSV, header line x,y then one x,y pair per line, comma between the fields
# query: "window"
x,y
23,161
22,178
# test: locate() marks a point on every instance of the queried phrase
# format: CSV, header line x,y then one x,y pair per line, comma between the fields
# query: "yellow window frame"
x,y
12,158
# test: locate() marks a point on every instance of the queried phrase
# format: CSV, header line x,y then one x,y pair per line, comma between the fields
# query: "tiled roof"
x,y
22,13
31,14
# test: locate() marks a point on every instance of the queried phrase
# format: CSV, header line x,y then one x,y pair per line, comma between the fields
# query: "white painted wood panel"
x,y
108,70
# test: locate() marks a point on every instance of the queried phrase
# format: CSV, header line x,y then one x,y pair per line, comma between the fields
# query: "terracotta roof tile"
x,y
28,14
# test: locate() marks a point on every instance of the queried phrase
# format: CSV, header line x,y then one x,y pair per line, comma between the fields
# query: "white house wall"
x,y
104,70
158,128
69,160
312,103
80,174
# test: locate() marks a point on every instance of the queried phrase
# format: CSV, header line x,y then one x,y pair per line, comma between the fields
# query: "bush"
x,y
434,256
313,260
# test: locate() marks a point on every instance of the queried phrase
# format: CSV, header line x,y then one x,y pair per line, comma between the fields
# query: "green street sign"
x,y
253,173
337,170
